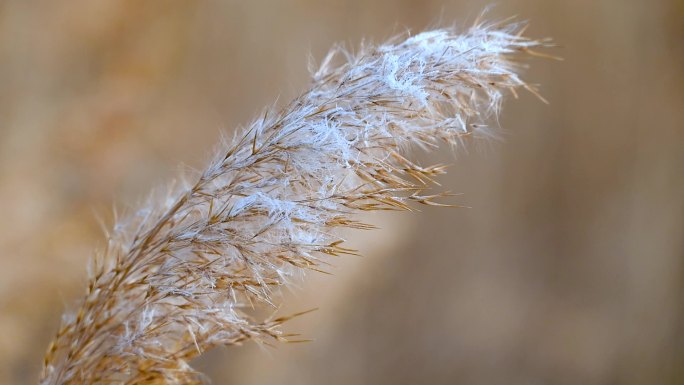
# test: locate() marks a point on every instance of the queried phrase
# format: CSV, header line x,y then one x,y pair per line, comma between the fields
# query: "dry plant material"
x,y
181,275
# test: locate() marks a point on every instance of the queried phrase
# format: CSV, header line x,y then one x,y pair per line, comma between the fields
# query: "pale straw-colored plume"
x,y
181,275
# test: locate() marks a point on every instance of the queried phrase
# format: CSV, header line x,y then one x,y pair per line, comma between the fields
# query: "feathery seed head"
x,y
179,276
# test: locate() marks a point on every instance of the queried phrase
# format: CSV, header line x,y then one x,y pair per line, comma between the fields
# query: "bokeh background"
x,y
568,268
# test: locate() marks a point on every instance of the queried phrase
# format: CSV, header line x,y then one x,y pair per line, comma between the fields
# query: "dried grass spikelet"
x,y
177,276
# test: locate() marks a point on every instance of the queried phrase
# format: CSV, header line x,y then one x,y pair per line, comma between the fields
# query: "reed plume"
x,y
179,276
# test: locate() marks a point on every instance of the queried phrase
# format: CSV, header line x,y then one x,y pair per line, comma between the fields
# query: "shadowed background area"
x,y
568,268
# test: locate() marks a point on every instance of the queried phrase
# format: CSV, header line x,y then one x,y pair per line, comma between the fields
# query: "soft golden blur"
x,y
568,268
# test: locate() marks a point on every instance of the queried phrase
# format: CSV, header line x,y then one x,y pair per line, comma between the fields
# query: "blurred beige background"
x,y
568,268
